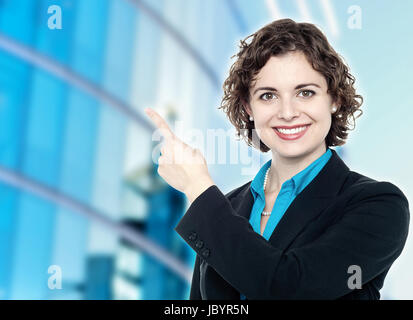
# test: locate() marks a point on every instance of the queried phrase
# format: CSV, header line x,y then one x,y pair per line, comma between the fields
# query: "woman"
x,y
306,227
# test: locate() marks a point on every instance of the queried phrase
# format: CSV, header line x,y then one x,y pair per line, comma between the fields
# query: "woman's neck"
x,y
284,168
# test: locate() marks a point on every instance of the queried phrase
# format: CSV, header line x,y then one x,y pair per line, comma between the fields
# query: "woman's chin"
x,y
292,150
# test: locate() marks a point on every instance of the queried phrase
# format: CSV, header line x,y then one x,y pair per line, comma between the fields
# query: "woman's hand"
x,y
182,167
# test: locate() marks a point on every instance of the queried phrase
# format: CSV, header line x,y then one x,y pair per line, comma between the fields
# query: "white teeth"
x,y
291,131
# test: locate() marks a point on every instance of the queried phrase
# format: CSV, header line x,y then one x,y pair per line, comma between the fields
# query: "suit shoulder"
x,y
366,186
377,195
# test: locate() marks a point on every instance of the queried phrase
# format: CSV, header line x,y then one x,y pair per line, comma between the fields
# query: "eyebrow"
x,y
296,88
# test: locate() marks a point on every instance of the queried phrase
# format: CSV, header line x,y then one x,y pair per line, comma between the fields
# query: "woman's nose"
x,y
287,110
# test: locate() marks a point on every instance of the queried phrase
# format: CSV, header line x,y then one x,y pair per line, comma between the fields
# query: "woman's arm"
x,y
371,234
195,293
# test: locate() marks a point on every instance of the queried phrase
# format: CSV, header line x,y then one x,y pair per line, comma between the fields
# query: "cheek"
x,y
262,130
325,122
322,118
320,112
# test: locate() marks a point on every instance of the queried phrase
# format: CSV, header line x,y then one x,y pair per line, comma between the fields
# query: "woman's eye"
x,y
266,95
306,93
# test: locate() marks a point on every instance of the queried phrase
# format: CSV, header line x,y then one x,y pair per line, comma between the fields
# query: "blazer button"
x,y
206,253
199,244
192,236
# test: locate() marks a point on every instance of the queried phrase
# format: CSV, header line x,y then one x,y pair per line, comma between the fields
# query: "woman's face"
x,y
289,92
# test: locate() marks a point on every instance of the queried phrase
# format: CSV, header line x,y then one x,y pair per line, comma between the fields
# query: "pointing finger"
x,y
160,123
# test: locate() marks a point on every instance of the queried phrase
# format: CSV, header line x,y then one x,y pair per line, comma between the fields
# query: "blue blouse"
x,y
289,190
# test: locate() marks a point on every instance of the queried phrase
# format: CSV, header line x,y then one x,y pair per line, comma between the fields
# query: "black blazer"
x,y
340,219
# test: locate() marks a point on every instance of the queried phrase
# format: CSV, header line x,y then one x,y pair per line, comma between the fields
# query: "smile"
x,y
291,134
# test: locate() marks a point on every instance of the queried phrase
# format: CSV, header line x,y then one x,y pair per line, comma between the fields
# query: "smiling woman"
x,y
305,222
299,106
260,61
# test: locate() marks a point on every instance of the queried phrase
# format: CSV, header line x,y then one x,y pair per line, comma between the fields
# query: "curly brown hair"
x,y
277,38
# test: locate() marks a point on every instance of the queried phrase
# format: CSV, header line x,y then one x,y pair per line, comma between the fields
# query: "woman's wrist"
x,y
195,190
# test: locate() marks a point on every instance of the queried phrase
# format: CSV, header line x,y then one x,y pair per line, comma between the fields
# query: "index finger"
x,y
160,123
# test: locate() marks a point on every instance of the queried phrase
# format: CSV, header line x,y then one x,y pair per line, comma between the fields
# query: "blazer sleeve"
x,y
195,292
370,234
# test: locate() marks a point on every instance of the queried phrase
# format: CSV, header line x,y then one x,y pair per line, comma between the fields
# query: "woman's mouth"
x,y
291,134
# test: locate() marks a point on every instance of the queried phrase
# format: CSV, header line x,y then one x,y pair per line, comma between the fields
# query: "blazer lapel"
x,y
316,196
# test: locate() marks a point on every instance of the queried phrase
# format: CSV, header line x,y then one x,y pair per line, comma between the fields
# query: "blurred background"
x,y
83,212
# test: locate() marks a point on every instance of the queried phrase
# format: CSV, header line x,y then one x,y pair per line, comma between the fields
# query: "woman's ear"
x,y
334,106
249,112
247,109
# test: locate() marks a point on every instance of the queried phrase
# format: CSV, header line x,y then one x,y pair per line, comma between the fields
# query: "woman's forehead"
x,y
287,72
